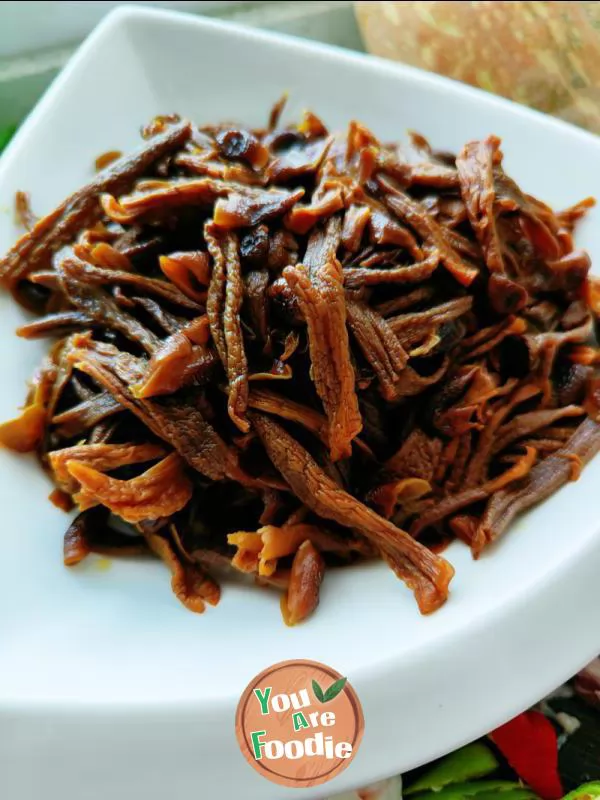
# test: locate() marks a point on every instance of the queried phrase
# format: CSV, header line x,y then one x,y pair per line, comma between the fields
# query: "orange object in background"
x,y
543,54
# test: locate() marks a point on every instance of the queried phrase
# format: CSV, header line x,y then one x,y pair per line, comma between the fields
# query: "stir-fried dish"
x,y
283,350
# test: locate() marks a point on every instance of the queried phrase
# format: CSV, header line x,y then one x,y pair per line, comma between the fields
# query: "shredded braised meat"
x,y
285,350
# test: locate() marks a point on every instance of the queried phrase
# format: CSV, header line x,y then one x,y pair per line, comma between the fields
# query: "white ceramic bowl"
x,y
108,687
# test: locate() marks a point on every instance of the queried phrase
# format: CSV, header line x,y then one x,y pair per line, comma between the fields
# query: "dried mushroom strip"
x,y
285,349
81,210
318,286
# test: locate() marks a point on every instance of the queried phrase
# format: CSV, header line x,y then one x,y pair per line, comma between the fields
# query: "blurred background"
x,y
37,38
542,54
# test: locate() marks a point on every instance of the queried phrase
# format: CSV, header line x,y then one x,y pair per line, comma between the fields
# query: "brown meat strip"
x,y
301,159
155,198
174,364
425,573
253,206
477,469
355,222
102,457
178,421
386,231
379,345
237,364
318,287
272,403
56,324
411,327
80,210
224,304
97,304
87,273
215,302
160,491
447,506
405,301
192,586
413,273
412,213
167,321
256,284
543,480
530,422
418,456
475,164
85,415
411,383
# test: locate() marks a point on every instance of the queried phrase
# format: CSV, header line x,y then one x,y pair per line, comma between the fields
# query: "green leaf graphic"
x,y
334,690
318,692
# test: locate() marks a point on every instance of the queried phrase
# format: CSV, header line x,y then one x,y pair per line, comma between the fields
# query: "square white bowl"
x,y
108,687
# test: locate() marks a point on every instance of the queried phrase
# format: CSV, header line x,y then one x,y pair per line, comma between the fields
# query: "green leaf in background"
x,y
515,794
473,761
334,690
589,791
318,691
481,790
6,135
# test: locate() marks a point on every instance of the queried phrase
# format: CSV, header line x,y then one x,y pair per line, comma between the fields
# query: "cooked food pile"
x,y
287,349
